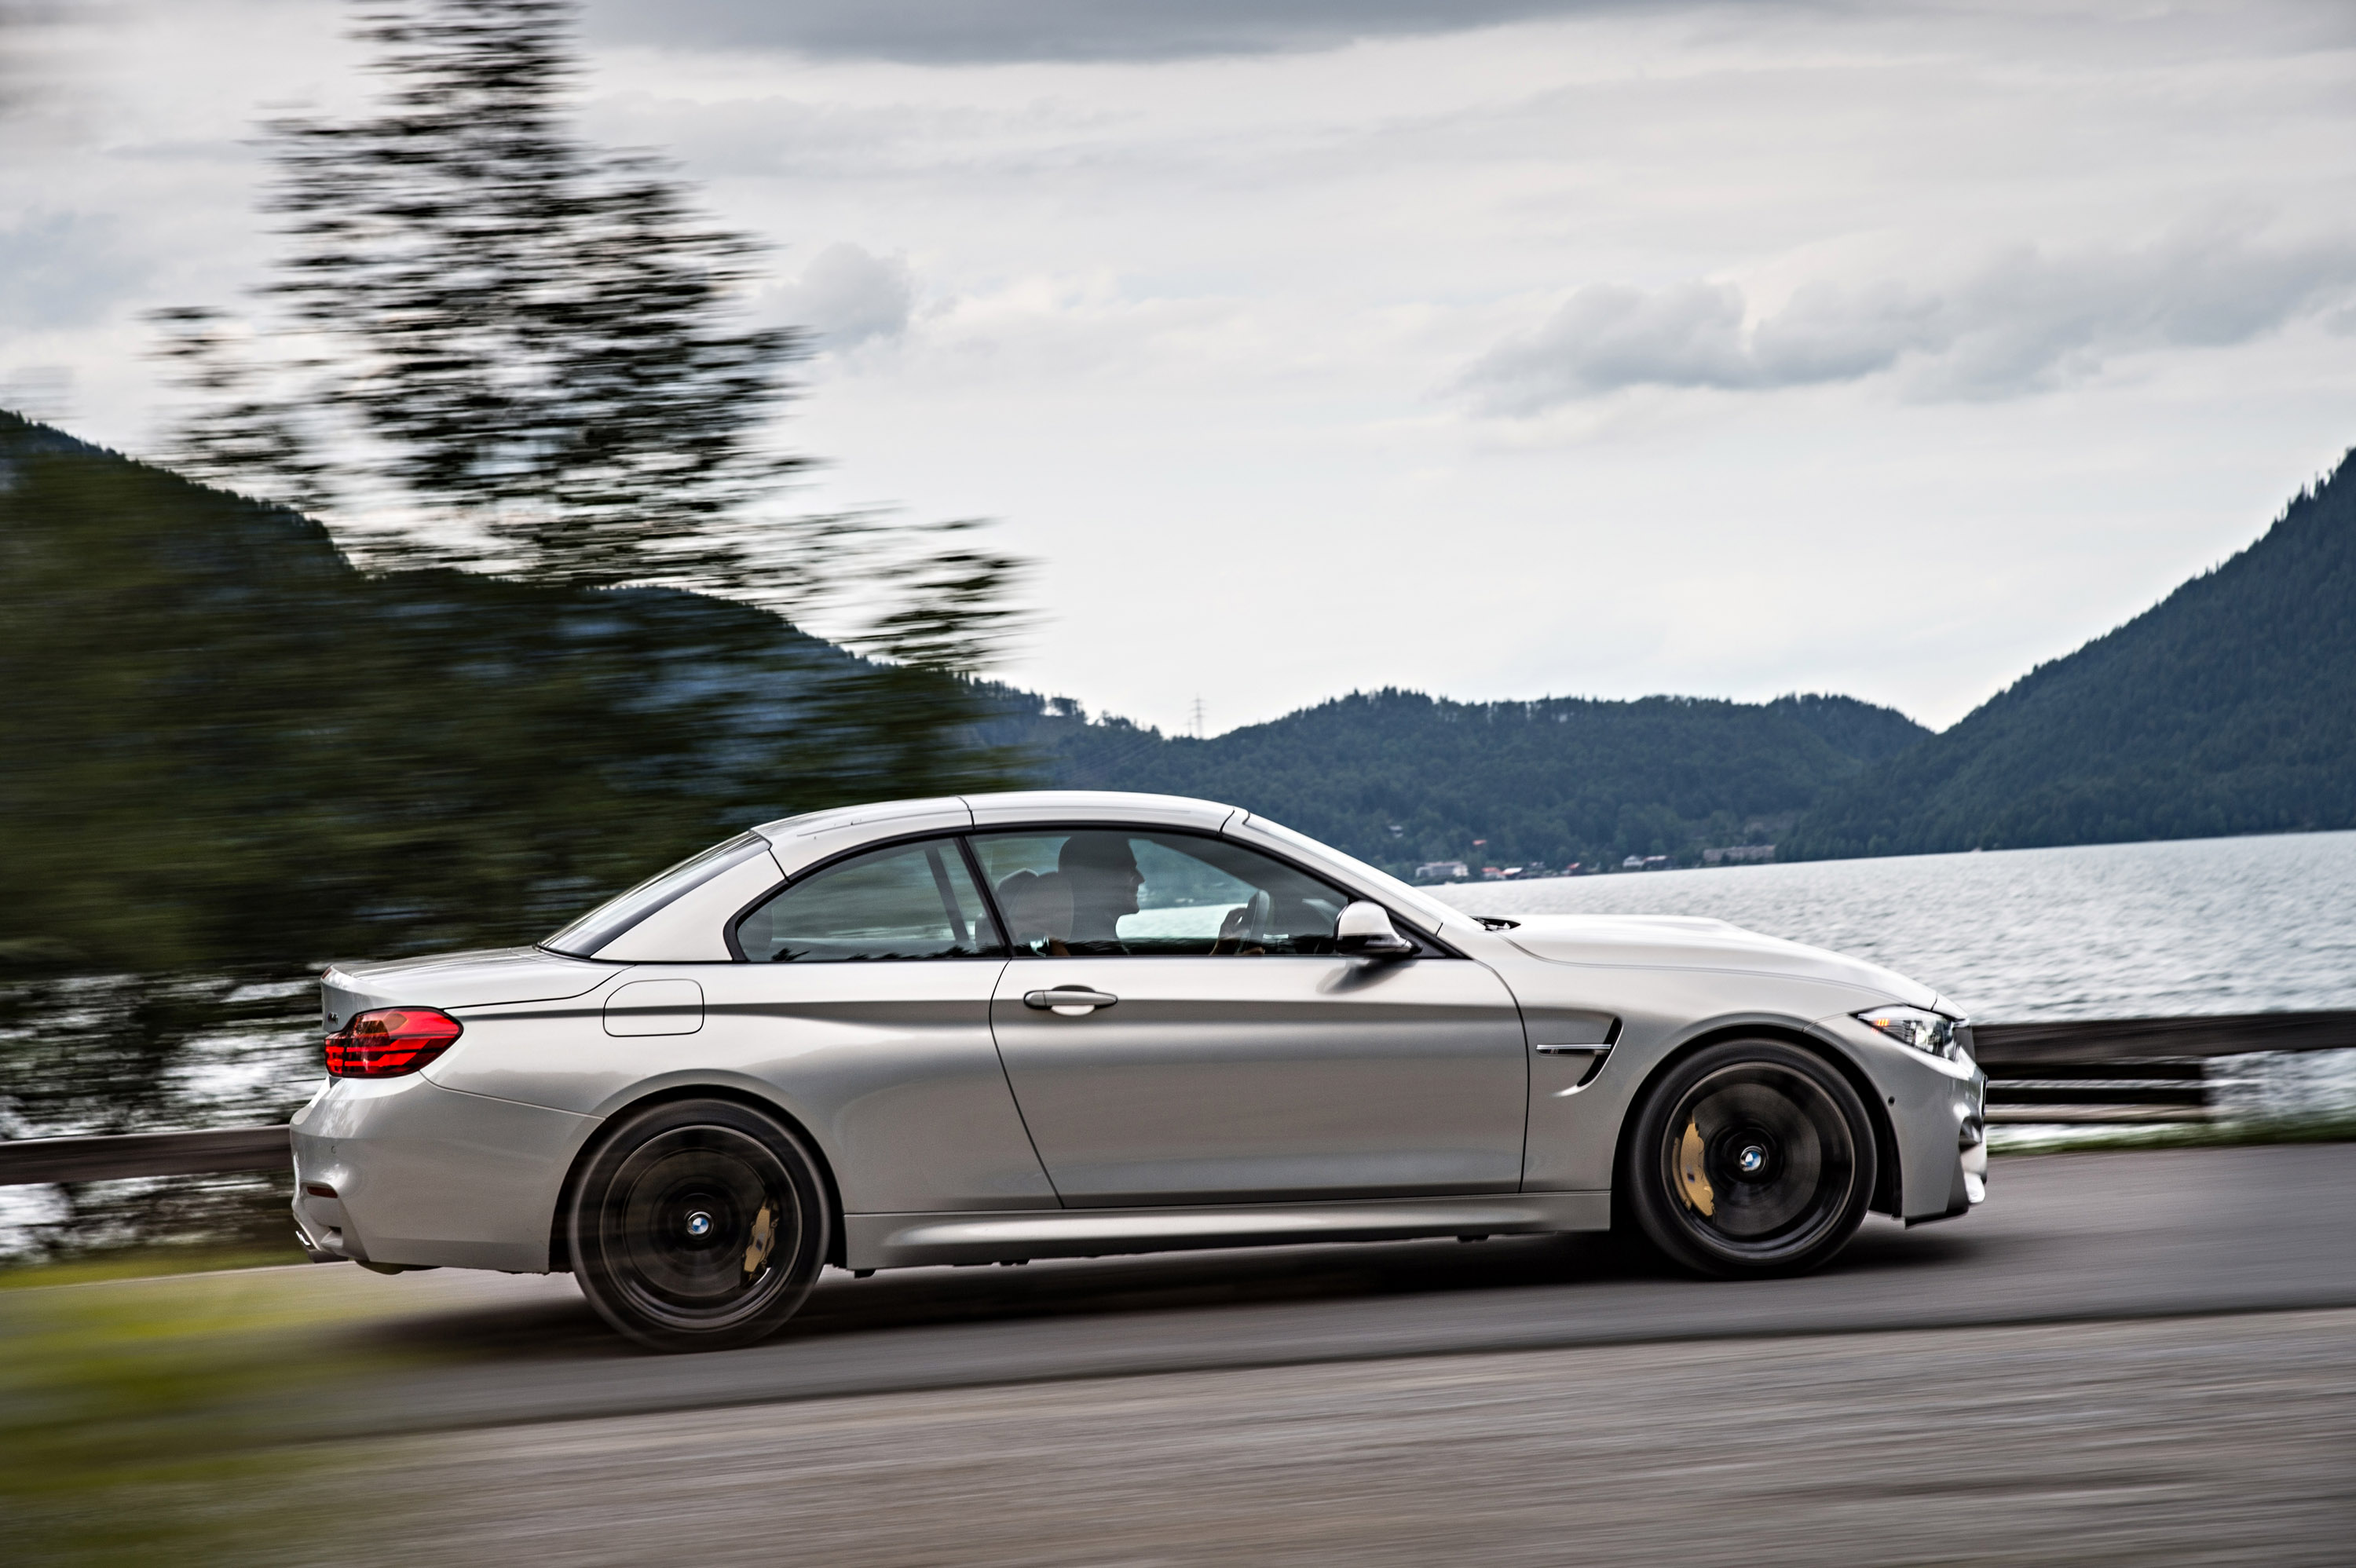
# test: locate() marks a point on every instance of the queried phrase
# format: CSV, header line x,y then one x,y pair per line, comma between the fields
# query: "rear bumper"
x,y
402,1171
324,1245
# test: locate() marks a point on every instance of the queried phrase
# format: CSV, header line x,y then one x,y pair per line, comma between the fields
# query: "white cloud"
x,y
2024,321
846,296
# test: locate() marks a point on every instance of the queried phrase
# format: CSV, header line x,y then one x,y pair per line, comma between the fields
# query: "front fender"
x,y
1574,1127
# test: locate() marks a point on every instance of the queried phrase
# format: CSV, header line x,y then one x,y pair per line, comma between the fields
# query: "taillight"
x,y
388,1042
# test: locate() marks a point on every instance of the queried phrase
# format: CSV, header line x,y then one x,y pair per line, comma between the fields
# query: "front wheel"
x,y
1751,1158
698,1225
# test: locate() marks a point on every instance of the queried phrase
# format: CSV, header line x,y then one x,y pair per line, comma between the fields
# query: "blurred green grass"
x,y
150,1420
146,1263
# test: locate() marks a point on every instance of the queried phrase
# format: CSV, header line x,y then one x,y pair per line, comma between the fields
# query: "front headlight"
x,y
1927,1031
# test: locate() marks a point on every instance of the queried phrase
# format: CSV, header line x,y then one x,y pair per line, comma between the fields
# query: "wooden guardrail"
x,y
2081,1069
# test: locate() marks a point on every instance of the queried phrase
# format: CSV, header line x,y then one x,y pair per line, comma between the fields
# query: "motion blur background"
x,y
459,456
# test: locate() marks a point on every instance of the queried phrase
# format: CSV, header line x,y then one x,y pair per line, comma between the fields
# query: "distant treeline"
x,y
2230,707
1399,778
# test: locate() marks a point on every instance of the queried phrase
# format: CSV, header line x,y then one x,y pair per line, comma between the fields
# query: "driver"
x,y
1101,872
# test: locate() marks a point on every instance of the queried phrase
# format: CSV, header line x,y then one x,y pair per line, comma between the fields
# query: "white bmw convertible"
x,y
998,1028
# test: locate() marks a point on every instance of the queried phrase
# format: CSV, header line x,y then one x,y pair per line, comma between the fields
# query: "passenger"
x,y
1039,910
1101,870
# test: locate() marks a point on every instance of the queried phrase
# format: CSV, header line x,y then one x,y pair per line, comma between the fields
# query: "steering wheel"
x,y
1256,915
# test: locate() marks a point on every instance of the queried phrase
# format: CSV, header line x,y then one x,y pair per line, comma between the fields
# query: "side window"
x,y
1104,891
911,901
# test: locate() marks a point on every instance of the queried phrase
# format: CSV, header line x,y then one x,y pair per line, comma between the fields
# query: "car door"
x,y
1179,1027
864,995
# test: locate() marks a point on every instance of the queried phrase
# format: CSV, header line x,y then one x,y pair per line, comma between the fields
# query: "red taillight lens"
x,y
388,1041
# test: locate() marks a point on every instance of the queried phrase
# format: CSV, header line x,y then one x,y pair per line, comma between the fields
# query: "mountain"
x,y
1399,778
2228,708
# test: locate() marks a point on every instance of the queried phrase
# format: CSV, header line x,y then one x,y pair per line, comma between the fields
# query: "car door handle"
x,y
1069,1001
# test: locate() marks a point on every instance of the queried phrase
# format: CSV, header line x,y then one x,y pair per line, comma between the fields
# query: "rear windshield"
x,y
601,925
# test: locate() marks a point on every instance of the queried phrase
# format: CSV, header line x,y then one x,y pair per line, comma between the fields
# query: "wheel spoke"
x,y
698,1225
696,1219
1759,1160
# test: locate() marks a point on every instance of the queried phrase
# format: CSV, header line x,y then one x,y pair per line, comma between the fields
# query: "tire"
x,y
1751,1158
698,1225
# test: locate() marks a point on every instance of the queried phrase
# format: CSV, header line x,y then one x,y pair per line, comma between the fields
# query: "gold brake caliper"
x,y
1692,1180
764,1237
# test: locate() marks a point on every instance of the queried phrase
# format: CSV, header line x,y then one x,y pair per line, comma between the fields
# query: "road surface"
x,y
2122,1359
2063,1238
2187,1440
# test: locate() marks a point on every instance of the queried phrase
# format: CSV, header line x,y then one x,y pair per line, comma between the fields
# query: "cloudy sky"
x,y
1494,348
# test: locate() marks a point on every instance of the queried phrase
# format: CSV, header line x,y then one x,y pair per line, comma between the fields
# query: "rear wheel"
x,y
1751,1158
698,1225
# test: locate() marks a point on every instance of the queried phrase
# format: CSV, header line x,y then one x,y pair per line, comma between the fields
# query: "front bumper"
x,y
403,1172
1937,1110
1970,1183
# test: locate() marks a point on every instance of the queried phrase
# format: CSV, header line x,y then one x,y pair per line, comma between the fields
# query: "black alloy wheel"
x,y
698,1225
1751,1158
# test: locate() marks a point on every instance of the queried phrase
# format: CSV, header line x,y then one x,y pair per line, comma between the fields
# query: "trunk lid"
x,y
491,977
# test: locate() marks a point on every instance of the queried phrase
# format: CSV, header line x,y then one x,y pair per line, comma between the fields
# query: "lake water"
x,y
2209,926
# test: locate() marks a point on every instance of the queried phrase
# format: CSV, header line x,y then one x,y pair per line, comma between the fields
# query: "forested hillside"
x,y
2228,708
226,747
222,745
1398,778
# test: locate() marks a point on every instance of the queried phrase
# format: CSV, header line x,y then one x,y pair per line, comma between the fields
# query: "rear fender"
x,y
750,1092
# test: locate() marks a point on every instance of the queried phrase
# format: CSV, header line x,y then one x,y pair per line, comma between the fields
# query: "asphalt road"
x,y
2169,1441
2127,1358
2078,1238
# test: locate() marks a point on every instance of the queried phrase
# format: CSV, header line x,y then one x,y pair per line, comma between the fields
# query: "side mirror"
x,y
1365,931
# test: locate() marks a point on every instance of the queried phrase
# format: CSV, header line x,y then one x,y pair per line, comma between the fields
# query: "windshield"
x,y
1399,895
601,925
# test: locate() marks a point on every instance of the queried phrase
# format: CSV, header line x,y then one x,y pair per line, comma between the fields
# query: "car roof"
x,y
804,840
1011,808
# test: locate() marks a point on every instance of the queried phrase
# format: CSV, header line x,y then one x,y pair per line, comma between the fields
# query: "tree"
x,y
502,348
